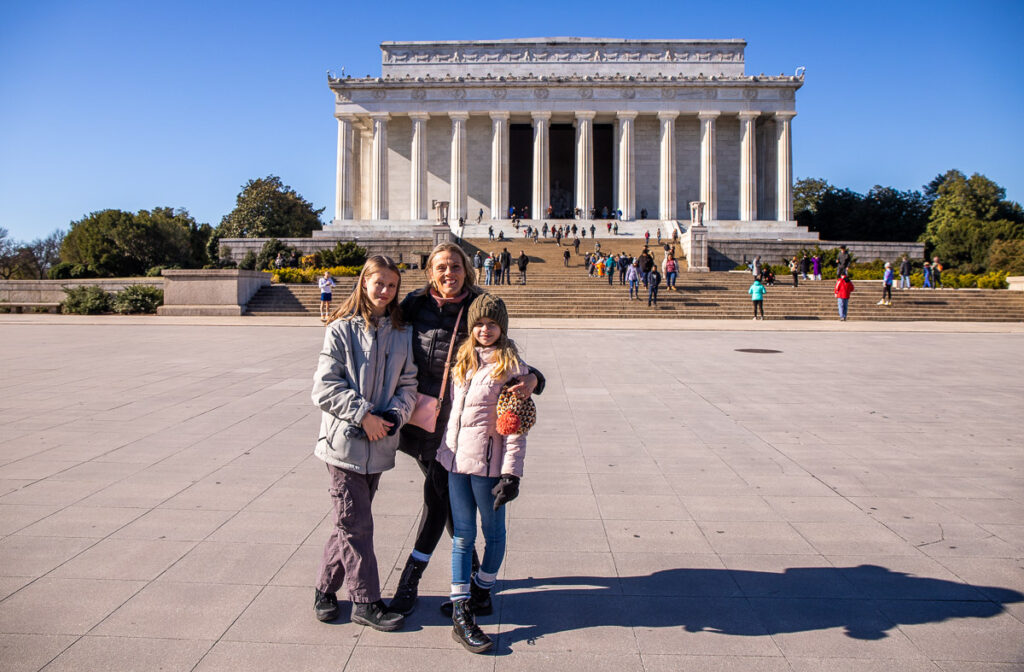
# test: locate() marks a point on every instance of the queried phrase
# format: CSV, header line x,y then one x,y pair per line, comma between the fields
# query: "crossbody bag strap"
x,y
448,360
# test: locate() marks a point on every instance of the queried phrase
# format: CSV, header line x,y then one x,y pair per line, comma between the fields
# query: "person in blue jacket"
x,y
757,292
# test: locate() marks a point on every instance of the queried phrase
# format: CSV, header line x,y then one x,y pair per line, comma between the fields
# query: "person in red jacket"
x,y
843,290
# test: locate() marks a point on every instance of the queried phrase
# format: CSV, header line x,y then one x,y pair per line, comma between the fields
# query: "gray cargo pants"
x,y
348,555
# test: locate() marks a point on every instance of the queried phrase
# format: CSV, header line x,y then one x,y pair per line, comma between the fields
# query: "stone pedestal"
x,y
210,291
697,249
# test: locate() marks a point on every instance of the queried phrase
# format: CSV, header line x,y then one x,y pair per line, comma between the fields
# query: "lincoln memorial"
x,y
551,125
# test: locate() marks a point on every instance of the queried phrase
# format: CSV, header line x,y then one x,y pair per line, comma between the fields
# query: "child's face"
x,y
486,331
381,288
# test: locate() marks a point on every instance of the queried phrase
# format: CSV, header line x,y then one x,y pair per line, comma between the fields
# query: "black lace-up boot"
x,y
407,592
325,605
377,616
465,631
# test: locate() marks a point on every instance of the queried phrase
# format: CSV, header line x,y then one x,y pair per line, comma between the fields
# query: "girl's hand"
x,y
376,427
525,387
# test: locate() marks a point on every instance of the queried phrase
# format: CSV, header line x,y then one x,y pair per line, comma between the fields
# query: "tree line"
x,y
118,243
966,221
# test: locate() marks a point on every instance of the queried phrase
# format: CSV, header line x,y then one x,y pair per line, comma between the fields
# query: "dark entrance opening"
x,y
563,170
520,167
604,165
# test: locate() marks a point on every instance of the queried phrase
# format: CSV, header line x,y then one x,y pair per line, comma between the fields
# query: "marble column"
x,y
585,162
784,171
365,147
459,179
627,165
667,182
748,166
541,165
379,166
708,164
343,196
418,166
499,165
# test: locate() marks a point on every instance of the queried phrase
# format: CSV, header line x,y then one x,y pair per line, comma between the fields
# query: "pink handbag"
x,y
428,408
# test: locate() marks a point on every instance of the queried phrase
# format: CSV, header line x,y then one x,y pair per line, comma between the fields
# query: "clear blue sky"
x,y
137,104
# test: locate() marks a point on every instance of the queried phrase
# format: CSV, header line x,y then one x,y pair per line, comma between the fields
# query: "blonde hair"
x,y
467,361
358,302
467,265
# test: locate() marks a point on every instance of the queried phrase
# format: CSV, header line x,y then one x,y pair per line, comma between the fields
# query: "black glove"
x,y
392,416
506,490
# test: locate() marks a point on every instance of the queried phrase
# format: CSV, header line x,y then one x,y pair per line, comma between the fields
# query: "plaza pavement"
x,y
853,501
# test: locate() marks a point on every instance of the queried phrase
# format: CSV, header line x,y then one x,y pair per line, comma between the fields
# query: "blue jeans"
x,y
904,282
670,278
843,305
652,293
634,288
488,274
469,495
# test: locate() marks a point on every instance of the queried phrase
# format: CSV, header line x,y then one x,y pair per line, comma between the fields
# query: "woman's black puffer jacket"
x,y
432,327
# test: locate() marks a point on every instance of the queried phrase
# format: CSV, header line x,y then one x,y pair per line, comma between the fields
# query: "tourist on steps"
x,y
757,292
843,290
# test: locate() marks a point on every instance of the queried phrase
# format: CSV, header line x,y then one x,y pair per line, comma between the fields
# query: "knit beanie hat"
x,y
489,306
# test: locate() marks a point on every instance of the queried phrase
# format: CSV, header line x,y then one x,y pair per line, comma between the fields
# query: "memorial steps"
x,y
554,291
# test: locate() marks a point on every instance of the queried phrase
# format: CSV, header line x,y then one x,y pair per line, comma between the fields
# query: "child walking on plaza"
x,y
757,292
484,458
365,384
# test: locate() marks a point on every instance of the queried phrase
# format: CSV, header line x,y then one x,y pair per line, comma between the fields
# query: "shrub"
x,y
308,261
87,300
248,262
993,280
138,299
343,254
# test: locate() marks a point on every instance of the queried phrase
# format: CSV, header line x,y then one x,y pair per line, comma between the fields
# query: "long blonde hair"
x,y
470,281
506,358
358,303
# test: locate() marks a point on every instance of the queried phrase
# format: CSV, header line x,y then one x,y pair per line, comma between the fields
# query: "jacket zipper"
x,y
490,446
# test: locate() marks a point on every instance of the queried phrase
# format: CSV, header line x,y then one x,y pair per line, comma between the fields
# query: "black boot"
x,y
325,605
377,616
404,600
479,601
466,631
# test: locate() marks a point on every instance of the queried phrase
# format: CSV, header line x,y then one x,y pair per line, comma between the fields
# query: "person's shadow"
x,y
867,601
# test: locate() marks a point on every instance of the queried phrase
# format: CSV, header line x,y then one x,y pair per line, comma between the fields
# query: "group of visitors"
x,y
423,376
496,268
633,271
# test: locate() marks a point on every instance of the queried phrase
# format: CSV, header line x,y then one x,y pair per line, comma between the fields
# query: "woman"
x,y
432,311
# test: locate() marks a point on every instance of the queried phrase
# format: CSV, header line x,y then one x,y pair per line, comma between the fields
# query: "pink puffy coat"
x,y
471,442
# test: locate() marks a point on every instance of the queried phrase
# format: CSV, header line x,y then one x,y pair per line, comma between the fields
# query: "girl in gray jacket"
x,y
365,384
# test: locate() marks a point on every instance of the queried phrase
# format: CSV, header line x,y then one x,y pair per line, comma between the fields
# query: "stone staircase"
x,y
553,291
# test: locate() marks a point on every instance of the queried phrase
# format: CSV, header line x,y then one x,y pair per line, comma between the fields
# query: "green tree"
x,y
266,208
968,215
118,243
807,194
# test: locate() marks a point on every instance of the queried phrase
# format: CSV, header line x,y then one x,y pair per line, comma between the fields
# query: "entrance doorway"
x,y
604,168
563,170
520,167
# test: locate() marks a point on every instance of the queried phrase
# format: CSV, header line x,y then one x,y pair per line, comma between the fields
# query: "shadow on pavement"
x,y
867,601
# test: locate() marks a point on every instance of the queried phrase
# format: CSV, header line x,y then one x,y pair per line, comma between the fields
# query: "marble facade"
x,y
640,125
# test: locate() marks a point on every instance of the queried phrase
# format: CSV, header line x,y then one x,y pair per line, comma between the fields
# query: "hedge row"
x,y
91,300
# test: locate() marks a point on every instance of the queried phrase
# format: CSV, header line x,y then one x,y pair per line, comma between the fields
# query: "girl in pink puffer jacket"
x,y
484,466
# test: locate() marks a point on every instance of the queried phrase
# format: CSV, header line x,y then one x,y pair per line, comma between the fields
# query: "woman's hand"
x,y
376,427
525,387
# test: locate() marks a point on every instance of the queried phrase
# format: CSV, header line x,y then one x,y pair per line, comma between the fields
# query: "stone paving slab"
x,y
853,501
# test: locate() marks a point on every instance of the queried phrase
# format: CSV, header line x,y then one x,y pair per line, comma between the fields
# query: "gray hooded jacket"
x,y
360,371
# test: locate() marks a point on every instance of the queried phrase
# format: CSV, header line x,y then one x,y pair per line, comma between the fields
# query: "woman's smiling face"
x,y
447,274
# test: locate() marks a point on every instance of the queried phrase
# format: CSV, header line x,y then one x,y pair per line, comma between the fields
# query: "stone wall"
x,y
52,291
724,255
402,249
